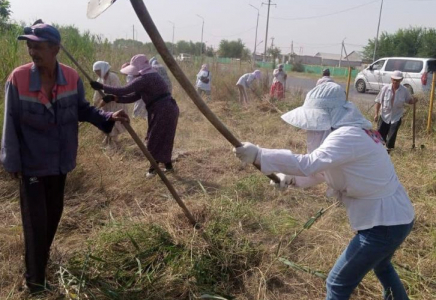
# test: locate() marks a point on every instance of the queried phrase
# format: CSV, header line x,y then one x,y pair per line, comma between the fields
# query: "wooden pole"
x,y
430,108
413,126
348,82
149,26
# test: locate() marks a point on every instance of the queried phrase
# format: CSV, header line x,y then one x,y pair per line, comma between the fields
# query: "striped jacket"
x,y
40,138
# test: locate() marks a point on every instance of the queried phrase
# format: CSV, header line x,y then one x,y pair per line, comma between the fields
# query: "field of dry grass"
x,y
124,237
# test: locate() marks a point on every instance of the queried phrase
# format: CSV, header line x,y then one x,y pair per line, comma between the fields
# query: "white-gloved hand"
x,y
247,152
285,181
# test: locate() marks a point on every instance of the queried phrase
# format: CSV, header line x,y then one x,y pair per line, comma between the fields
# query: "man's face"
x,y
396,83
43,54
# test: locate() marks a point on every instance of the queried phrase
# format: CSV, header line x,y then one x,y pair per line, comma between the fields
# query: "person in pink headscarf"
x,y
203,81
245,82
163,112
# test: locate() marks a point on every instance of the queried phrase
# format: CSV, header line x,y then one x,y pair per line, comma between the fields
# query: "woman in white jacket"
x,y
357,168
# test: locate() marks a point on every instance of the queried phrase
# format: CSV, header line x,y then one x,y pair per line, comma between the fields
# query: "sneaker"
x,y
150,174
169,170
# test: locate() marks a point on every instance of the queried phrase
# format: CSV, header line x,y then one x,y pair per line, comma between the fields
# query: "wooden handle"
x,y
150,28
413,126
160,173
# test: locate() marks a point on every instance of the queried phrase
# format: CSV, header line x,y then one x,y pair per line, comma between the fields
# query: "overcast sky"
x,y
312,25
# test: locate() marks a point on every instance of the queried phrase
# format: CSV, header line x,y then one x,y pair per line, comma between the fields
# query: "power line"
x,y
324,15
245,31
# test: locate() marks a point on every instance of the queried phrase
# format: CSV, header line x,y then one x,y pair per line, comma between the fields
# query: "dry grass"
x,y
123,237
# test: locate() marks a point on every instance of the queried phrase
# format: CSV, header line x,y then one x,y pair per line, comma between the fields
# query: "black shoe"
x,y
38,289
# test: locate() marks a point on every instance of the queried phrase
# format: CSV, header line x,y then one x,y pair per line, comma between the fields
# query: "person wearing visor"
x,y
391,100
162,109
44,102
358,171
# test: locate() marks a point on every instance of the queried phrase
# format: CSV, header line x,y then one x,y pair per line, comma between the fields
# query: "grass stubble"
x,y
124,237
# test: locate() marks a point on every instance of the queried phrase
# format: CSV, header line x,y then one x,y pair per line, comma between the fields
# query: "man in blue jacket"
x,y
44,101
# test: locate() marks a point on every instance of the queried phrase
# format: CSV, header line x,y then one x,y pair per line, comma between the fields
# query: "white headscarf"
x,y
102,66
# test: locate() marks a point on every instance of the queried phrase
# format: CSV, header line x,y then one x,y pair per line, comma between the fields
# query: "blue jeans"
x,y
370,249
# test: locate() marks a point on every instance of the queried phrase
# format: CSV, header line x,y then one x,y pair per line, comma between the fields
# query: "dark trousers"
x,y
389,132
42,202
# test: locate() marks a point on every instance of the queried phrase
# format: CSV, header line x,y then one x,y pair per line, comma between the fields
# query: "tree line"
x,y
410,42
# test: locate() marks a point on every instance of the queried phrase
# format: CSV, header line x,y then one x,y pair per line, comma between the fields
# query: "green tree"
x,y
5,11
232,49
274,52
210,52
411,42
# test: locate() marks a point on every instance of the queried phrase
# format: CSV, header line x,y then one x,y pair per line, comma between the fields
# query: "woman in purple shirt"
x,y
163,111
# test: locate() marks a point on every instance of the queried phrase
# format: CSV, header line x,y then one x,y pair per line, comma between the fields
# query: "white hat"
x,y
326,107
397,75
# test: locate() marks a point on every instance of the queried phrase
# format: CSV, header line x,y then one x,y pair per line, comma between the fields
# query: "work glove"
x,y
96,85
248,153
109,98
285,181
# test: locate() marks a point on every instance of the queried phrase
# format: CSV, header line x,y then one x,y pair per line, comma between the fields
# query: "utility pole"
x,y
378,28
272,42
342,49
172,46
257,24
267,23
202,28
133,32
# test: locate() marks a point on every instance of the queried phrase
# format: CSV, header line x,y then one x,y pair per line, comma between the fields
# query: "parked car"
x,y
184,57
417,72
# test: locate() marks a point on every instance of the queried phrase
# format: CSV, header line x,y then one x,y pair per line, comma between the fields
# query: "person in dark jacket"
x,y
163,112
44,101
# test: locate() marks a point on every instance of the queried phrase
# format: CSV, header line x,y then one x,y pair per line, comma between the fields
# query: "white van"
x,y
417,72
184,57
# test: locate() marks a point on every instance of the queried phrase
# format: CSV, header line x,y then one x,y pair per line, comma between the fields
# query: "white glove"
x,y
248,153
285,181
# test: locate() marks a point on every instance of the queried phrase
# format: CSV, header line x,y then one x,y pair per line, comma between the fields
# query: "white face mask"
x,y
129,78
315,139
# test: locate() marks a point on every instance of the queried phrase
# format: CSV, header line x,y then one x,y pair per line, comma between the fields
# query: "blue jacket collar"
x,y
35,79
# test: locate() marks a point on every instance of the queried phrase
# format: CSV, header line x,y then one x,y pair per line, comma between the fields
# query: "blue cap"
x,y
41,33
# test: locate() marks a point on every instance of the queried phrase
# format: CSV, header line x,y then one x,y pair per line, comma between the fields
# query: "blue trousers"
x,y
370,249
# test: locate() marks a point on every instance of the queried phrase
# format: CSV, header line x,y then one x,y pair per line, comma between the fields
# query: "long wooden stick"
x,y
145,152
413,126
150,27
160,173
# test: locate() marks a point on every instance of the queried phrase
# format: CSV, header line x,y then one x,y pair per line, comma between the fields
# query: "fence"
x,y
334,71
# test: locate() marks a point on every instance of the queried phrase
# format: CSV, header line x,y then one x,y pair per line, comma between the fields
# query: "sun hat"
x,y
397,75
41,33
324,108
139,65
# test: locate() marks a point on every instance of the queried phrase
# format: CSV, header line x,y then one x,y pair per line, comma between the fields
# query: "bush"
x,y
298,67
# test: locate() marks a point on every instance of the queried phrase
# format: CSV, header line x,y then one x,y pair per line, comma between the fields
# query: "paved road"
x,y
306,84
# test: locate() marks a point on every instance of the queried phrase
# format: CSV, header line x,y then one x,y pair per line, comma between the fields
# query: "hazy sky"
x,y
313,25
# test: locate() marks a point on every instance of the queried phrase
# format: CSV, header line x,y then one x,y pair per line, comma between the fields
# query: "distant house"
x,y
353,59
